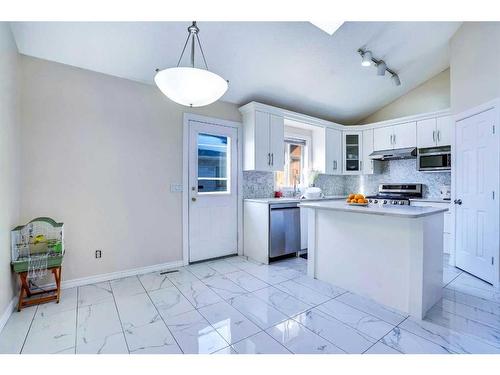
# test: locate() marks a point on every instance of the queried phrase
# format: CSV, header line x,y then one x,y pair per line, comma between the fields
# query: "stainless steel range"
x,y
396,194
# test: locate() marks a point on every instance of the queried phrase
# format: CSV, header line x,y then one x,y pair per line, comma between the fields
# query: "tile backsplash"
x,y
261,184
404,171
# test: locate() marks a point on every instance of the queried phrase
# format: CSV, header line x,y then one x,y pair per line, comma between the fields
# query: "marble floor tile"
x,y
369,306
199,294
68,351
470,285
470,312
380,348
300,340
68,301
260,343
112,344
447,338
154,281
224,287
281,301
229,322
341,335
136,311
363,322
461,324
259,312
246,281
15,331
468,280
449,274
408,343
285,272
194,333
241,263
319,286
154,338
469,300
302,293
181,276
52,333
266,273
222,267
97,322
226,350
202,270
94,293
170,302
127,286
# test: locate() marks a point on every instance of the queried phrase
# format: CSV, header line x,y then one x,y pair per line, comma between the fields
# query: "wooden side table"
x,y
45,295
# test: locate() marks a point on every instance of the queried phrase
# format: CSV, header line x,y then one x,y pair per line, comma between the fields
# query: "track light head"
x,y
381,67
366,58
396,80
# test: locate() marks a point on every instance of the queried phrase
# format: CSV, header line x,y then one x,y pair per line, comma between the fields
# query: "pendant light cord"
x,y
192,35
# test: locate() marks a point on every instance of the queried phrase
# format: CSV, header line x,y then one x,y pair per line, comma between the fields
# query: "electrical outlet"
x,y
98,254
176,188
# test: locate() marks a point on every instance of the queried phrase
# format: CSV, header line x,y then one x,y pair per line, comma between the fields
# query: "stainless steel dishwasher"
x,y
284,229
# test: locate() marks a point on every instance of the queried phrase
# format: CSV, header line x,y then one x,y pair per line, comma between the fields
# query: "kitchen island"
x,y
392,254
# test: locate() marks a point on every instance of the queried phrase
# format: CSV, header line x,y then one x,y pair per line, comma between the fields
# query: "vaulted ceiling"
x,y
293,65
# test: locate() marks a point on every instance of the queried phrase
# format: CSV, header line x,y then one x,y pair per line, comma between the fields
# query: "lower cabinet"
x,y
448,242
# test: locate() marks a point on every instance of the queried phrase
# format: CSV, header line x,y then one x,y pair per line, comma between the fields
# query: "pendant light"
x,y
191,86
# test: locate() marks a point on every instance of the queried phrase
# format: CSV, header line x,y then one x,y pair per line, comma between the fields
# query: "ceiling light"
x,y
381,67
367,58
396,80
327,27
191,86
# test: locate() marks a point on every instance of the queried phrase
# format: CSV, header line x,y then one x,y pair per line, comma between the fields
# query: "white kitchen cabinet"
x,y
395,136
353,152
382,138
333,151
263,146
368,166
448,223
434,132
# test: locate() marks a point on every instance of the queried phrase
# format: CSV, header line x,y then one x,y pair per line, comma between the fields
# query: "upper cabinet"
x,y
395,136
368,164
353,152
263,146
434,132
333,151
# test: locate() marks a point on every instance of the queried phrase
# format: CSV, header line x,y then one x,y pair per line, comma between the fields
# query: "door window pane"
x,y
213,163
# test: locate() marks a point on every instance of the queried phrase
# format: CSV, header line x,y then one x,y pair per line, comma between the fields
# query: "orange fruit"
x,y
365,200
348,200
359,196
361,200
351,196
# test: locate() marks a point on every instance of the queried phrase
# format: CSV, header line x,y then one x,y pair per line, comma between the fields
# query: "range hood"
x,y
401,153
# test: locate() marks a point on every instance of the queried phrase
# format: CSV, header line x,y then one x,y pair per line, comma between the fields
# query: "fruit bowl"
x,y
357,200
358,204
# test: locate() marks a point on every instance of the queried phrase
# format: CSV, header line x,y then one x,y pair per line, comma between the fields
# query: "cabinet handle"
x,y
434,136
361,165
394,138
439,135
268,158
272,158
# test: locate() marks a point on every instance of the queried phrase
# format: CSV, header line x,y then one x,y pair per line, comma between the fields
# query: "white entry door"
x,y
476,203
213,202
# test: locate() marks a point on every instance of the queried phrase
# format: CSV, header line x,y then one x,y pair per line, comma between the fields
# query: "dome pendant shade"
x,y
191,87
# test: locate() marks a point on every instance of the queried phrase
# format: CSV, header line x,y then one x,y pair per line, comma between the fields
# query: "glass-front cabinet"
x,y
353,153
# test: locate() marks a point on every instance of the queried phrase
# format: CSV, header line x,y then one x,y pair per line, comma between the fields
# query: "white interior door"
x,y
476,203
213,207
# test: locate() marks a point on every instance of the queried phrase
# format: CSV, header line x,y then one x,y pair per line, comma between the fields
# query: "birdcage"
x,y
36,248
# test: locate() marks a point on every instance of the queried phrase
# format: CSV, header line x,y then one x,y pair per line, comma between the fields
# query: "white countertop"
x,y
410,212
430,200
293,200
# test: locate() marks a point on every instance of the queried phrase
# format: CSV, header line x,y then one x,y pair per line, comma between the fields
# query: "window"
x,y
294,173
213,163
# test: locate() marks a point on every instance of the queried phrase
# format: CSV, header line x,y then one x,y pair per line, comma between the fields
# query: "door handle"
x,y
458,201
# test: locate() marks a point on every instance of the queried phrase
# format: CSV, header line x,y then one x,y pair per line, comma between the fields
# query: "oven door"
x,y
438,161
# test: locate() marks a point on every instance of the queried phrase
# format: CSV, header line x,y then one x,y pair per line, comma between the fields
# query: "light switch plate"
x,y
176,188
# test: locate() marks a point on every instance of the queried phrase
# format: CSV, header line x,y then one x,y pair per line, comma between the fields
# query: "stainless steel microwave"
x,y
434,159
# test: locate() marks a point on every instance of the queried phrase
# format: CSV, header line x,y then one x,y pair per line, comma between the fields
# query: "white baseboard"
x,y
92,280
7,313
117,275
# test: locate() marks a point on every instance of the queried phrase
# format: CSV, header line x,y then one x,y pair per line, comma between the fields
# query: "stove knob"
x,y
402,203
394,202
375,201
385,202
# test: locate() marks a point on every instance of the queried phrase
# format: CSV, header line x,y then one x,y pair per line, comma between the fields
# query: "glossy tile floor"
x,y
235,306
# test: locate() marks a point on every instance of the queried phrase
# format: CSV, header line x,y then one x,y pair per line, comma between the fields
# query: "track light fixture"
x,y
367,59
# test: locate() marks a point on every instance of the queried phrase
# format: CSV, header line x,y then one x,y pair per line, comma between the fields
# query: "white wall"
x,y
99,153
432,95
475,64
9,158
